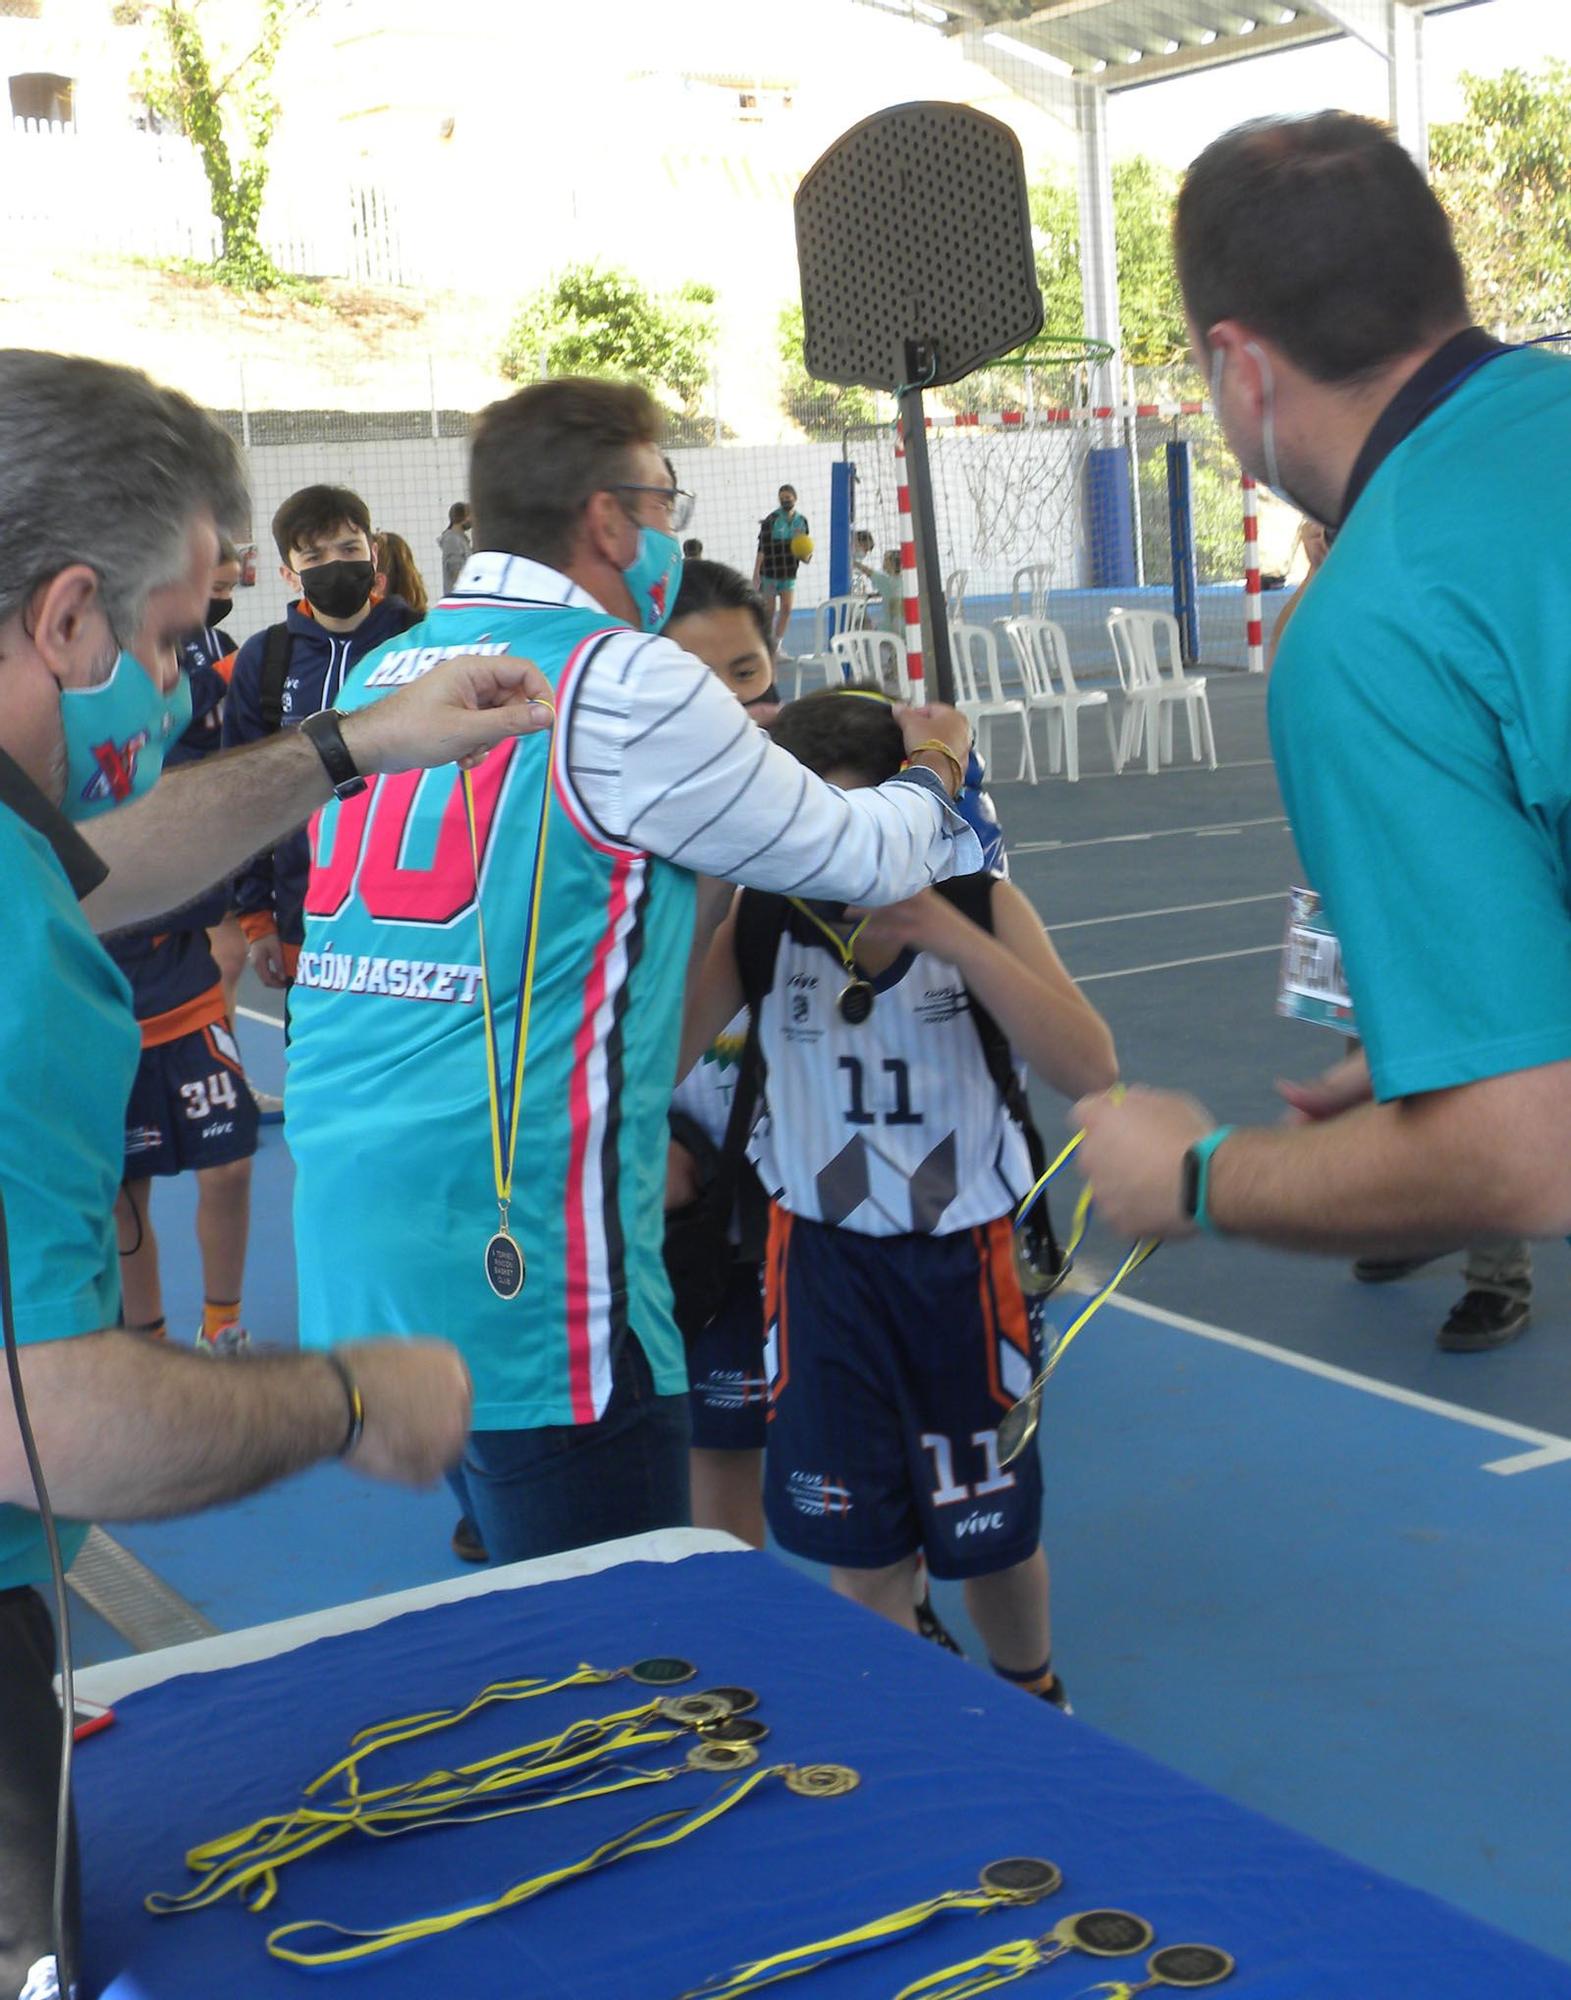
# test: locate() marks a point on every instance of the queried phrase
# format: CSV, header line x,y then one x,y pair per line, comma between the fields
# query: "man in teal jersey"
x,y
580,1422
96,597
1420,711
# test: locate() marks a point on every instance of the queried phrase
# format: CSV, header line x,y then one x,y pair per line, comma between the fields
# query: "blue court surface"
x,y
1298,1554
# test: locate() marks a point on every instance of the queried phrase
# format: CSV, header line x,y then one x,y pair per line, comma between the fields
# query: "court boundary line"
x,y
267,1020
1170,910
1156,833
1171,964
1549,1447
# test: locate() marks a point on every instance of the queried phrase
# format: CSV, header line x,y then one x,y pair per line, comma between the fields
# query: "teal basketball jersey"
x,y
388,1105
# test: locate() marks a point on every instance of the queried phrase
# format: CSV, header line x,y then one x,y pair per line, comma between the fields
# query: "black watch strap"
x,y
325,730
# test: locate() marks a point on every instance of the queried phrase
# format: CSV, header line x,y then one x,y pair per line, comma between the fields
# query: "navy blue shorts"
x,y
190,1107
891,1360
725,1365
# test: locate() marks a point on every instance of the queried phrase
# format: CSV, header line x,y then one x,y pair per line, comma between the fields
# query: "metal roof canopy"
x,y
1067,56
1122,44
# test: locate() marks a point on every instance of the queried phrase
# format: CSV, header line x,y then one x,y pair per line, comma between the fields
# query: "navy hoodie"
x,y
319,664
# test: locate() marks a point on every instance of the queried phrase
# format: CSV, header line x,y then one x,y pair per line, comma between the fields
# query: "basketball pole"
x,y
921,365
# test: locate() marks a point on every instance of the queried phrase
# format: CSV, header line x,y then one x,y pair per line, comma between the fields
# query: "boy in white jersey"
x,y
898,1330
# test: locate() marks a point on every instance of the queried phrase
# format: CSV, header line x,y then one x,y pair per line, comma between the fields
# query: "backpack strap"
x,y
972,896
278,645
761,921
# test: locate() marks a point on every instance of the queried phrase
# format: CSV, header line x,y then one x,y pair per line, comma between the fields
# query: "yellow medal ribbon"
x,y
749,1978
506,1280
246,1863
990,1969
844,948
663,1830
1020,1420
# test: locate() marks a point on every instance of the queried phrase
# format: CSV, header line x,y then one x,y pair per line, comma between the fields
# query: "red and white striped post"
x,y
909,591
1254,629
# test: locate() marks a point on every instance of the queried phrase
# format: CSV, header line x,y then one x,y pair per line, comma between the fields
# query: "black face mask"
x,y
338,589
770,693
218,609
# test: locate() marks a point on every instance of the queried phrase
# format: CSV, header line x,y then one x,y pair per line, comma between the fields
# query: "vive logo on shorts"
x,y
816,1494
979,1524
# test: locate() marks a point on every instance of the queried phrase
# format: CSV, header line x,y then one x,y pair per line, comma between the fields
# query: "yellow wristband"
x,y
943,750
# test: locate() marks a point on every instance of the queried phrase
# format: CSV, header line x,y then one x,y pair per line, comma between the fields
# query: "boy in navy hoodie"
x,y
293,670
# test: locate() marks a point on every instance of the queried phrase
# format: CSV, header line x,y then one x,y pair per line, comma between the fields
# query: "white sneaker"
x,y
229,1340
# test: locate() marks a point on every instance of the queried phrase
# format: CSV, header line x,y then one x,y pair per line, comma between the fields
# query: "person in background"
x,y
721,620
296,669
784,543
897,1329
395,564
191,1109
454,542
692,550
889,586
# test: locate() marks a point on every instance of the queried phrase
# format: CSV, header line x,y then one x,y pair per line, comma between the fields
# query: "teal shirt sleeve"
x,y
1426,822
69,1046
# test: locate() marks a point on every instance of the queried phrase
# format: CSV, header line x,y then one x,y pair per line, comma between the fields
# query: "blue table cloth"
x,y
957,1770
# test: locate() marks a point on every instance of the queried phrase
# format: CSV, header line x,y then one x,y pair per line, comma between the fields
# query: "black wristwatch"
x,y
325,731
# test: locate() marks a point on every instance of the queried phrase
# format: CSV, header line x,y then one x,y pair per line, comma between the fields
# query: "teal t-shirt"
x,y
69,1047
1420,717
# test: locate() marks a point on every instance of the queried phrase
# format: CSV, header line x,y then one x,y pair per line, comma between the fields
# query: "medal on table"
x,y
504,1264
856,997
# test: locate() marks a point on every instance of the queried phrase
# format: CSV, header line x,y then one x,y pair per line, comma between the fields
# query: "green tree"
x,y
229,121
1503,171
593,320
821,409
1150,307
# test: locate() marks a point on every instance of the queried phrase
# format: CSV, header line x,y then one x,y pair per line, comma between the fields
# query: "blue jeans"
x,y
533,1493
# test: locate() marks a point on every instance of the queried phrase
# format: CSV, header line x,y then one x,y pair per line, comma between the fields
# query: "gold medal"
x,y
821,1781
856,1002
504,1266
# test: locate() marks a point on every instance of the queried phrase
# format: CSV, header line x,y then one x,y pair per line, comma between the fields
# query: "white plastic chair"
x,y
1028,589
956,584
1151,695
834,616
877,657
1042,651
979,693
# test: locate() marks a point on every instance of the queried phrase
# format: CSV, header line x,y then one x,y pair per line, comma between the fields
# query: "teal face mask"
x,y
116,735
654,576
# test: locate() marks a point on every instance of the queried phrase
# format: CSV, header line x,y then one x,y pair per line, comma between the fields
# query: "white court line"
x,y
1171,964
1171,910
267,1020
1162,833
1549,1449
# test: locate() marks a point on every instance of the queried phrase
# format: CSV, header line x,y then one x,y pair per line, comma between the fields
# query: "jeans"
x,y
536,1492
1506,1268
29,1786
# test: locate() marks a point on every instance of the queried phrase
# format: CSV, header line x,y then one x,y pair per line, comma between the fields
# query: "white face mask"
x,y
1273,470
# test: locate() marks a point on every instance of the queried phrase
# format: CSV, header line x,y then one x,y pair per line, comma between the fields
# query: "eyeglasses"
x,y
678,502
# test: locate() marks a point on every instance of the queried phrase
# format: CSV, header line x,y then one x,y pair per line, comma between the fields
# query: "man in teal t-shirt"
x,y
1420,711
89,671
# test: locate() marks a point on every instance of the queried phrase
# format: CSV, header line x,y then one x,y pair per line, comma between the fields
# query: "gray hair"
x,y
99,465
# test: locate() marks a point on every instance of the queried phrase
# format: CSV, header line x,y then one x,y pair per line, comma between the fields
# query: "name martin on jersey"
x,y
398,978
410,663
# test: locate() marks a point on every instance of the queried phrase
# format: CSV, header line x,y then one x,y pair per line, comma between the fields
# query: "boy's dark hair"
x,y
714,586
459,511
317,510
1322,234
227,552
847,728
692,550
538,457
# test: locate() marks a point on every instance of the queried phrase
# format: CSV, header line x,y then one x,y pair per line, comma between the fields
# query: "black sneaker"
x,y
1481,1320
1387,1270
931,1626
1056,1695
467,1545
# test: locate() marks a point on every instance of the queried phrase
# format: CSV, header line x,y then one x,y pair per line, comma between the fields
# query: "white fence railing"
x,y
143,194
